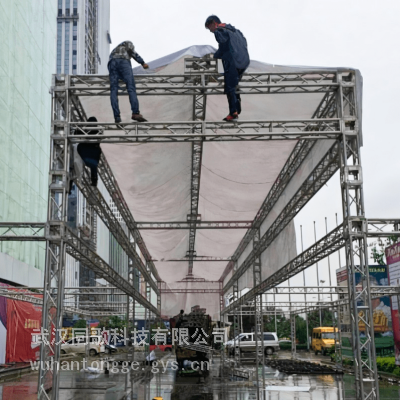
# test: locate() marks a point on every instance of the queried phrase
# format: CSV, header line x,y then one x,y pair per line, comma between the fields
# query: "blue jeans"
x,y
232,78
121,69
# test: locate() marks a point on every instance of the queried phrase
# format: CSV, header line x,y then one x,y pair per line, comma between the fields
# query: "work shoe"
x,y
232,117
138,117
117,120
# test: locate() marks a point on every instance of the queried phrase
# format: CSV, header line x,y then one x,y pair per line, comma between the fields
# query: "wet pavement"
x,y
148,382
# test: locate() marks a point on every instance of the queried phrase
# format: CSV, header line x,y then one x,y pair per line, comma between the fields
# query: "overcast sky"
x,y
363,34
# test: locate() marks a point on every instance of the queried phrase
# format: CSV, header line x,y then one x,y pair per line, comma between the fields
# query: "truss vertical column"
x,y
258,325
338,342
366,377
293,334
148,313
130,308
199,114
236,312
53,294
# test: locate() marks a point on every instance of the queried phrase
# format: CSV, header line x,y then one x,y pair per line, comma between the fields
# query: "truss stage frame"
x,y
336,117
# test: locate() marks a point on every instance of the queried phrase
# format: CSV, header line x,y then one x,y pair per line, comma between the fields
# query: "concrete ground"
x,y
163,380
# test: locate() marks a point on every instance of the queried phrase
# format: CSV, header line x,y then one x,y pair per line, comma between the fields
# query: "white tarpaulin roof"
x,y
155,178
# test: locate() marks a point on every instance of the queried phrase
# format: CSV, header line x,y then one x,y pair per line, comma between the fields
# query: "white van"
x,y
78,345
246,343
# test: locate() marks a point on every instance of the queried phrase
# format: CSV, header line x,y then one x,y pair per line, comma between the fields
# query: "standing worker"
x,y
120,67
232,50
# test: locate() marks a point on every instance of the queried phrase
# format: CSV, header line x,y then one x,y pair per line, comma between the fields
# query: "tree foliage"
x,y
80,323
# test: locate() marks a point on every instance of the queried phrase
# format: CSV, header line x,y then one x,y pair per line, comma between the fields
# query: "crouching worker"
x,y
120,68
90,153
232,50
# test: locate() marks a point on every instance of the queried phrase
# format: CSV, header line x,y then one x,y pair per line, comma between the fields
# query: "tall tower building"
x,y
83,36
83,47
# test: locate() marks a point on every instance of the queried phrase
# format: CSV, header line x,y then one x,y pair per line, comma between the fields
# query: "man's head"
x,y
212,23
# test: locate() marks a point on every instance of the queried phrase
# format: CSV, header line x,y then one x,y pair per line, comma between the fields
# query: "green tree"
x,y
116,322
80,323
301,330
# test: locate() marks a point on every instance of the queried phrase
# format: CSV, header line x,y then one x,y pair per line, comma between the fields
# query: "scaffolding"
x,y
336,118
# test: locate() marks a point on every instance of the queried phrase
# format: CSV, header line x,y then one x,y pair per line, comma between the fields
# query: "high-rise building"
x,y
27,62
83,36
83,47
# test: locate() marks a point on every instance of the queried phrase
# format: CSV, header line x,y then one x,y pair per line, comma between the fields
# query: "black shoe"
x,y
117,120
138,117
94,182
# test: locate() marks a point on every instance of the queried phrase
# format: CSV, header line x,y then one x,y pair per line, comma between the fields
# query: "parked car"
x,y
245,343
78,345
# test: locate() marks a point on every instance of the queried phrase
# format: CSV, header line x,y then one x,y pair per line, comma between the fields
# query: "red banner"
x,y
23,320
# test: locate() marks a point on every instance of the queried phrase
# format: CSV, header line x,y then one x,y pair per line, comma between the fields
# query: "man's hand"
x,y
145,66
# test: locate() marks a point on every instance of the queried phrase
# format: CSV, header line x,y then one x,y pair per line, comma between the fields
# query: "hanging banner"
x,y
393,262
23,321
3,326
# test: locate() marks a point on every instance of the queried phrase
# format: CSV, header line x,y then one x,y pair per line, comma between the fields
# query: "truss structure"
x,y
335,119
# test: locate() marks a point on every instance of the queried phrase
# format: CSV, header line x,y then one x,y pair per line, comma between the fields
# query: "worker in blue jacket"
x,y
232,50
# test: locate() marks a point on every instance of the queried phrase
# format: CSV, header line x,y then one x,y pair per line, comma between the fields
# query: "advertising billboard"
x,y
393,262
381,309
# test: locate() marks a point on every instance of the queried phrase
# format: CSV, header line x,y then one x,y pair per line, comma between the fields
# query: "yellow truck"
x,y
323,339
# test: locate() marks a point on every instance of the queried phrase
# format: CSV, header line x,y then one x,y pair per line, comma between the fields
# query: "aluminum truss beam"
x,y
251,83
197,258
22,231
198,224
377,291
190,291
325,246
188,131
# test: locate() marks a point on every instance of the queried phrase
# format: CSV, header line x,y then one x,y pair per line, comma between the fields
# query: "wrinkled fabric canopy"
x,y
155,178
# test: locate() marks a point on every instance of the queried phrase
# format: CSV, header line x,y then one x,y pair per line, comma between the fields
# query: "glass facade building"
x,y
27,61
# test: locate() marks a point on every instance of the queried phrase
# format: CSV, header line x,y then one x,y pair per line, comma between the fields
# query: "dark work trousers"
x,y
233,76
90,153
121,69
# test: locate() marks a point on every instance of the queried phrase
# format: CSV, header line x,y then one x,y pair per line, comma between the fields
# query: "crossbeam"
x,y
187,84
176,131
22,231
199,225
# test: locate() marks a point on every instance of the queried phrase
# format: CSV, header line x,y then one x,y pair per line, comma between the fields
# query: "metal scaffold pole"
x,y
355,232
53,294
258,323
236,330
293,333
